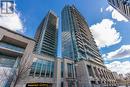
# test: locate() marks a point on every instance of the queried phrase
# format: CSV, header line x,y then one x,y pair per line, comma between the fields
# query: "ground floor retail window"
x,y
42,68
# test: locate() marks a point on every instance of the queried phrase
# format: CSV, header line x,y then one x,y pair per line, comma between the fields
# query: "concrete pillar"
x,y
65,73
57,73
82,74
1,36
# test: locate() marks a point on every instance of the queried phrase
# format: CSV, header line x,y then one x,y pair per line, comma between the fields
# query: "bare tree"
x,y
19,69
4,75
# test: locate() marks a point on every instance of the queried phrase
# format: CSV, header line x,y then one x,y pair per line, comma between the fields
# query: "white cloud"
x,y
115,14
122,52
104,34
12,21
119,67
101,10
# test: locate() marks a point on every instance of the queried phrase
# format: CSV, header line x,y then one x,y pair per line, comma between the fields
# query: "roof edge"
x,y
7,29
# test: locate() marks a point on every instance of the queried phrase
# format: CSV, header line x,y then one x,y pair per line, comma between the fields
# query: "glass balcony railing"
x,y
11,47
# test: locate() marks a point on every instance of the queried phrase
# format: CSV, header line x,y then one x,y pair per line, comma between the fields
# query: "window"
x,y
42,68
62,69
7,71
70,70
32,68
62,84
7,61
52,69
71,84
38,67
48,68
90,70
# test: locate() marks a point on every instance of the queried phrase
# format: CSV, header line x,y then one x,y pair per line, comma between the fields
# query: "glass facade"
x,y
77,40
42,68
67,26
46,35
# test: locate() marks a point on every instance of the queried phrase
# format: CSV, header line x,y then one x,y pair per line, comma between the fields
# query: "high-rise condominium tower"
x,y
30,68
46,35
123,6
77,40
